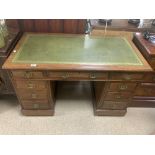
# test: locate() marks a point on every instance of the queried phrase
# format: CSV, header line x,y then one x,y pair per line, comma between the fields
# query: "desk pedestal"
x,y
112,98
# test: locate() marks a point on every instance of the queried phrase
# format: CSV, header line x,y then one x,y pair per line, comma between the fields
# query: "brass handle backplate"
x,y
34,96
118,97
30,85
123,87
28,75
65,76
92,76
127,77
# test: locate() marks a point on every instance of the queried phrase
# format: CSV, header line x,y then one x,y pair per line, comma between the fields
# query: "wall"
x,y
76,26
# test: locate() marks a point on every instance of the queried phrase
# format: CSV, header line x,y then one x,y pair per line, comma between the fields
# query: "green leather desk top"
x,y
62,49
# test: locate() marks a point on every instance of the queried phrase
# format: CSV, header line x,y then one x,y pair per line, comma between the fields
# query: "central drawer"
x,y
77,75
33,94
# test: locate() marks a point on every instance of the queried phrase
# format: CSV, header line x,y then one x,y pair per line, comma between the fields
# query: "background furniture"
x,y
49,25
123,25
5,83
126,34
145,92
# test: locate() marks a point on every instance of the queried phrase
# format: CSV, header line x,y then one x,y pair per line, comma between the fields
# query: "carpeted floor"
x,y
74,115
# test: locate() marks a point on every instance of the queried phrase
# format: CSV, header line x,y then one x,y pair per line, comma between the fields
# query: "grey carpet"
x,y
74,115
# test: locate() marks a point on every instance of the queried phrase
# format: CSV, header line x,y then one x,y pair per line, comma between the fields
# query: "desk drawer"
x,y
78,75
30,84
113,105
145,89
33,94
149,77
35,104
27,74
118,96
126,76
121,86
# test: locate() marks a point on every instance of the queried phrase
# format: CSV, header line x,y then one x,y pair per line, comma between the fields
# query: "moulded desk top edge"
x,y
84,67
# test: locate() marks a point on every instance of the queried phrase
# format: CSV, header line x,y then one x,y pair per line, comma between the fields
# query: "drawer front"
x,y
145,89
27,74
119,86
35,104
33,95
149,77
30,84
78,75
113,105
126,76
118,96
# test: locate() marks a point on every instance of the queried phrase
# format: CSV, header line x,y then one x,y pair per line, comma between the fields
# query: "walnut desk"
x,y
113,64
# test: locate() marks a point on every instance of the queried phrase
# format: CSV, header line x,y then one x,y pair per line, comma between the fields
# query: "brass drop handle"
x,y
123,87
36,106
34,96
65,76
28,74
127,77
118,97
92,76
30,85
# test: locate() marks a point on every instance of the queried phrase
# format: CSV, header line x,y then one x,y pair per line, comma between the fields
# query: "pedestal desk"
x,y
113,65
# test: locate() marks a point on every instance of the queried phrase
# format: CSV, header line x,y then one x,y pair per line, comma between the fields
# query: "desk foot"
x,y
107,112
48,112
